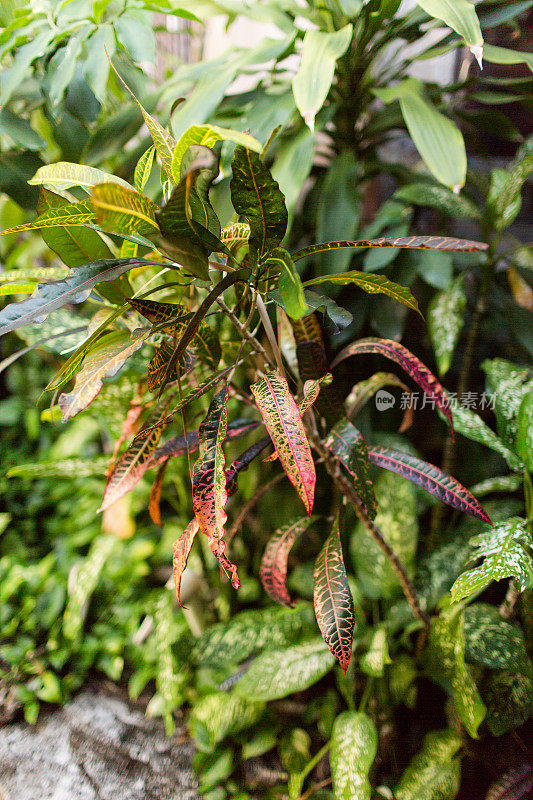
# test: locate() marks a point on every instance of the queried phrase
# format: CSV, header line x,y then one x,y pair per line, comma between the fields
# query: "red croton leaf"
x,y
431,478
408,362
282,418
209,494
180,553
273,570
333,600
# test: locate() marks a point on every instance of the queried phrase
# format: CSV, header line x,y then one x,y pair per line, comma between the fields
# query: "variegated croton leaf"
x,y
209,495
348,445
408,242
158,366
431,478
282,418
408,362
333,600
134,462
274,562
180,553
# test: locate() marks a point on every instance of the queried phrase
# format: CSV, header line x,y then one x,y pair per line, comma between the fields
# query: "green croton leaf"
x,y
373,284
277,673
218,715
290,284
124,210
257,197
354,742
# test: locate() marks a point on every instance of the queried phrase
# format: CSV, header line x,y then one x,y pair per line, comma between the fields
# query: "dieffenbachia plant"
x,y
243,277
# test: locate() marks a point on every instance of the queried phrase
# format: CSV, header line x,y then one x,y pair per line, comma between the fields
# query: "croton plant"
x,y
244,275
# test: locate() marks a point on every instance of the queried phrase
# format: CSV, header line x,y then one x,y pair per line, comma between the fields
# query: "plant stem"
x,y
242,329
349,492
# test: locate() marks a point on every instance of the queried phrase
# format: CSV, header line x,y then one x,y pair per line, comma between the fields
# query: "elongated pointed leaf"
x,y
180,553
408,362
274,562
209,495
158,366
354,742
180,445
144,168
333,600
243,462
154,502
75,245
373,284
290,285
69,214
311,392
403,242
257,197
431,478
33,273
105,360
347,444
124,210
435,771
445,322
312,82
73,289
284,424
208,135
134,462
461,16
63,175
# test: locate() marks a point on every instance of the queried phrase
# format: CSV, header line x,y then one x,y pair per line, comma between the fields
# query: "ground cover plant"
x,y
396,661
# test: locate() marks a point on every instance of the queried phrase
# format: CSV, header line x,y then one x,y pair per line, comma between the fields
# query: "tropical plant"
x,y
283,381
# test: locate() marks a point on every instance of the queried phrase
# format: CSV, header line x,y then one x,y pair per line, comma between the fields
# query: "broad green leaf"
x,y
273,569
292,165
397,520
524,436
472,426
312,82
218,715
508,383
505,551
491,641
435,772
96,66
64,469
110,355
278,673
461,16
439,197
502,55
504,200
70,214
144,168
123,210
63,175
75,245
500,483
73,289
17,288
209,494
62,65
373,284
137,37
83,586
284,424
333,600
446,321
20,130
18,72
376,658
250,632
339,206
447,666
134,462
431,478
290,284
208,135
348,445
408,362
509,698
354,742
438,140
256,196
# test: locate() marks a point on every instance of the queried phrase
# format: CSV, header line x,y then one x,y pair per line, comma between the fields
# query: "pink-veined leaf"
x,y
180,553
347,444
409,242
133,463
273,570
209,495
107,358
333,600
431,478
284,424
310,394
408,362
